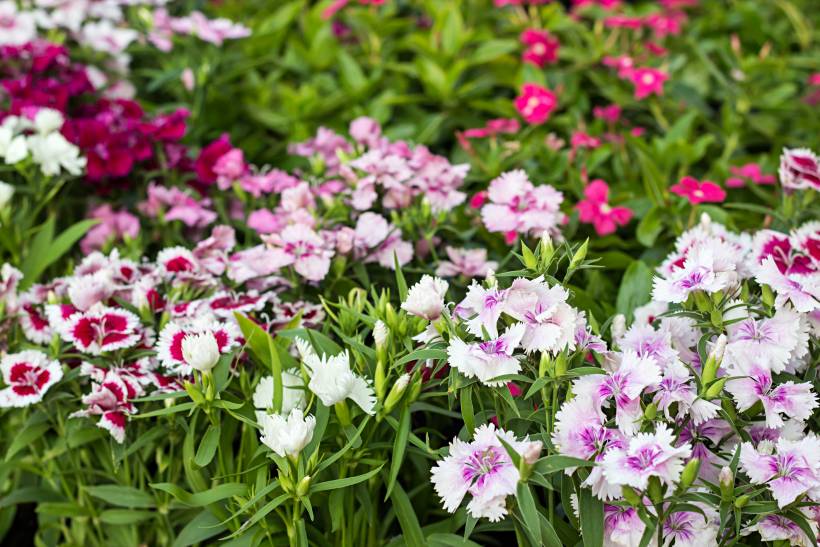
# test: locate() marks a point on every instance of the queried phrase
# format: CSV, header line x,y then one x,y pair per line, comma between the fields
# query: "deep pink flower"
x,y
648,81
698,192
751,172
493,128
624,64
595,209
799,169
535,103
610,114
208,158
113,226
542,47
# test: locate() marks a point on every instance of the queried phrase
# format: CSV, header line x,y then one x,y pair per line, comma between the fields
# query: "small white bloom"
x,y
48,120
12,146
332,380
200,351
380,333
53,152
426,298
293,393
6,193
287,437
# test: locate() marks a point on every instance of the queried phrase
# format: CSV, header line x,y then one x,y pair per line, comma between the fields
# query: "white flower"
x,y
293,393
380,333
287,437
332,380
18,27
53,152
6,193
48,120
426,298
200,351
13,147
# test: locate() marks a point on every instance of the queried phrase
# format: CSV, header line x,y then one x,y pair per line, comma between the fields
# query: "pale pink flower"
x,y
487,360
113,226
648,455
517,206
793,469
309,253
467,262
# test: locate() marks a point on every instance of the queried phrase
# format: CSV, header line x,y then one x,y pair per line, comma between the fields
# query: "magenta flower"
x,y
535,103
113,226
751,172
109,399
648,81
698,192
610,114
799,169
542,47
596,210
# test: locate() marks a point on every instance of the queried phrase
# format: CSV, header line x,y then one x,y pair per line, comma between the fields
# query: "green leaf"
x,y
490,50
592,519
207,497
650,227
553,464
121,496
636,288
400,281
399,446
29,494
343,483
200,528
38,261
411,530
28,435
207,447
125,516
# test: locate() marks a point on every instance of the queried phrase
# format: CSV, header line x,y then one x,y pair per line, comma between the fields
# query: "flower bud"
x,y
579,255
727,482
631,496
767,296
715,389
380,333
303,486
528,458
396,392
6,193
618,328
655,490
200,351
712,363
651,411
742,501
547,250
689,474
490,279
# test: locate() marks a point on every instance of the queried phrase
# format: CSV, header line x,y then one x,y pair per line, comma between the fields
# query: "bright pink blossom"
x,y
698,192
596,210
542,47
751,172
535,103
648,81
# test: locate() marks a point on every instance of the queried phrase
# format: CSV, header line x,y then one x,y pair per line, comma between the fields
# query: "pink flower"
x,y
493,128
113,226
518,206
169,346
265,222
102,329
648,455
28,375
799,169
308,252
109,399
623,64
785,399
698,192
535,103
610,114
648,81
596,210
467,262
542,47
749,171
790,472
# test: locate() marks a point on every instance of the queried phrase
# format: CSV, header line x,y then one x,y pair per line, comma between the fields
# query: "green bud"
x,y
396,392
379,380
579,255
650,412
528,257
303,486
415,388
195,393
715,389
689,474
768,295
560,365
286,482
655,490
546,251
727,483
742,501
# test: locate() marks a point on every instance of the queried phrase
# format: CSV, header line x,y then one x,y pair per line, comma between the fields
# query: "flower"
x,y
785,399
287,436
535,103
596,210
102,329
483,469
28,375
799,169
698,192
550,322
647,455
304,249
109,399
200,351
426,298
6,193
647,81
542,47
293,394
487,360
467,262
114,225
332,380
53,153
170,346
481,309
749,171
380,333
517,206
790,472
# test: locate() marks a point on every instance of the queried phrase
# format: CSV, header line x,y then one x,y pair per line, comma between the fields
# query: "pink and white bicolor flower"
x,y
109,399
102,329
169,346
489,359
647,455
28,375
793,469
482,468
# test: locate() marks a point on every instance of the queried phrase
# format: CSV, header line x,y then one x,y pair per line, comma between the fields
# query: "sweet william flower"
x,y
426,298
790,472
293,394
698,192
535,103
647,455
647,81
332,380
542,47
596,210
799,169
201,351
287,436
489,359
483,469
6,193
28,375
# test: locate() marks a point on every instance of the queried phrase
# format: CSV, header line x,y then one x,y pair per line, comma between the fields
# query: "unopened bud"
x,y
768,295
715,389
710,367
631,496
618,328
490,279
689,474
532,452
579,255
380,333
651,411
727,482
303,486
396,392
655,490
742,501
705,220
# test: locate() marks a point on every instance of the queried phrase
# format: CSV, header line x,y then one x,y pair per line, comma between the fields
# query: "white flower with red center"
x,y
87,290
28,375
109,399
59,317
176,261
223,304
799,169
103,329
9,279
35,325
169,347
